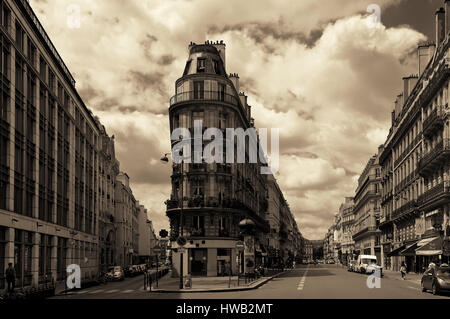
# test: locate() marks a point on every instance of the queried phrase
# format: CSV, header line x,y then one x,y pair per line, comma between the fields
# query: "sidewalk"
x,y
210,284
411,276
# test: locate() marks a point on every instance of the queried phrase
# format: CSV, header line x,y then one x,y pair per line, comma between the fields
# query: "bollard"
x,y
150,283
145,281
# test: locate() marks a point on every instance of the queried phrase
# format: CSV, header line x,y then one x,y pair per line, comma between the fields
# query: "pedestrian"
x,y
403,270
11,277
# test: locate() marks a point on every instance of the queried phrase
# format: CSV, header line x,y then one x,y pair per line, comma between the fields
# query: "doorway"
x,y
198,261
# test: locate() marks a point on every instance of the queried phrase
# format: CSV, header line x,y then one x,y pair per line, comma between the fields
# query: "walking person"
x,y
403,271
11,277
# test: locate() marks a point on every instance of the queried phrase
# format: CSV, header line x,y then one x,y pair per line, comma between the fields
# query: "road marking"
x,y
301,284
128,291
111,291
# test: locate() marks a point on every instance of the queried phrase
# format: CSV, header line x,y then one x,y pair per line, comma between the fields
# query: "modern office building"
x,y
57,165
49,158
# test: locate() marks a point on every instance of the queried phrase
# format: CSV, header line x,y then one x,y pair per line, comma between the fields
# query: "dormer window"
x,y
216,66
201,65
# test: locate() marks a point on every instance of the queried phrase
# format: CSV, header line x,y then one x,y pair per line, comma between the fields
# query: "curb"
x,y
416,281
219,289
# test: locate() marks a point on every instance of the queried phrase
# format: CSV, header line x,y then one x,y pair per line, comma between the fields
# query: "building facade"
x,y
366,234
108,171
49,158
216,197
347,226
415,161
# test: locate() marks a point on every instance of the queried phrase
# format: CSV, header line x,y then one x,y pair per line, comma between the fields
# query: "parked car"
x,y
351,266
116,273
129,271
436,279
367,264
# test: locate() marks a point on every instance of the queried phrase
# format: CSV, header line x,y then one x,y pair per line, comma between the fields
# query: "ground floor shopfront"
x,y
41,252
214,257
206,257
418,254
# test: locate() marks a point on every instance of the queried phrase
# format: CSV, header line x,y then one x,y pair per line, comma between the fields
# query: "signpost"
x,y
157,250
240,248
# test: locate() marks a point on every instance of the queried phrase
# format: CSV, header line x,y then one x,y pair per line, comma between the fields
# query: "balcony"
x,y
404,210
435,195
365,231
430,161
216,96
435,120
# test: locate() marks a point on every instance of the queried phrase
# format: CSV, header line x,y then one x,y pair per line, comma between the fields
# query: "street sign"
x,y
181,241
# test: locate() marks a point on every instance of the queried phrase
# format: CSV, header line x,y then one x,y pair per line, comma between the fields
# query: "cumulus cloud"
x,y
313,69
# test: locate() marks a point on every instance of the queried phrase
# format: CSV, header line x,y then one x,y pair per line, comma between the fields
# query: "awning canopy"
x,y
410,250
432,247
396,252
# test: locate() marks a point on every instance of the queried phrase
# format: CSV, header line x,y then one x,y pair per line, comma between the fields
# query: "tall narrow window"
x,y
201,65
19,36
198,90
216,67
222,88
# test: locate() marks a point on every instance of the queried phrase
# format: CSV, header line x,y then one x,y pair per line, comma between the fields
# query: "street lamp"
x,y
165,159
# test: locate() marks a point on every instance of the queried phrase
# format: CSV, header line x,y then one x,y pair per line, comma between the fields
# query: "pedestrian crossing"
x,y
301,284
106,291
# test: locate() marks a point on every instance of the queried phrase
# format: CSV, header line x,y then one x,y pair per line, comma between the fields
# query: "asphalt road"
x,y
305,282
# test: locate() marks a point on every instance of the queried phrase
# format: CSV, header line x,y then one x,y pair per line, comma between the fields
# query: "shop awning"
x,y
410,250
432,247
396,252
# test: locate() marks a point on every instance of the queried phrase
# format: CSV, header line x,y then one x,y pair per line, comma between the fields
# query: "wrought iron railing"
x,y
433,192
204,96
425,159
436,115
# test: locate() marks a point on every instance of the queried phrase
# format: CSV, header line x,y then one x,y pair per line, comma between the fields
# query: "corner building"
x,y
216,197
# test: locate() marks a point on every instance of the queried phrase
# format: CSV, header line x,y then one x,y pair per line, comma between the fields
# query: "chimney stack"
x,y
440,26
220,46
425,53
408,85
234,77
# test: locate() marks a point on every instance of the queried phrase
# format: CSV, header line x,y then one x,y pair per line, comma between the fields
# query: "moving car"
x,y
367,264
436,279
116,273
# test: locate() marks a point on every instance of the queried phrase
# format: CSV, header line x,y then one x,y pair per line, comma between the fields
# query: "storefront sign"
x,y
420,226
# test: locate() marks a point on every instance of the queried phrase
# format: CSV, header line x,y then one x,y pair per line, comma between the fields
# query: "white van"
x,y
367,264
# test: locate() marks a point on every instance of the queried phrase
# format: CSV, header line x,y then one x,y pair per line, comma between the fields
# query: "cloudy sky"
x,y
318,70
